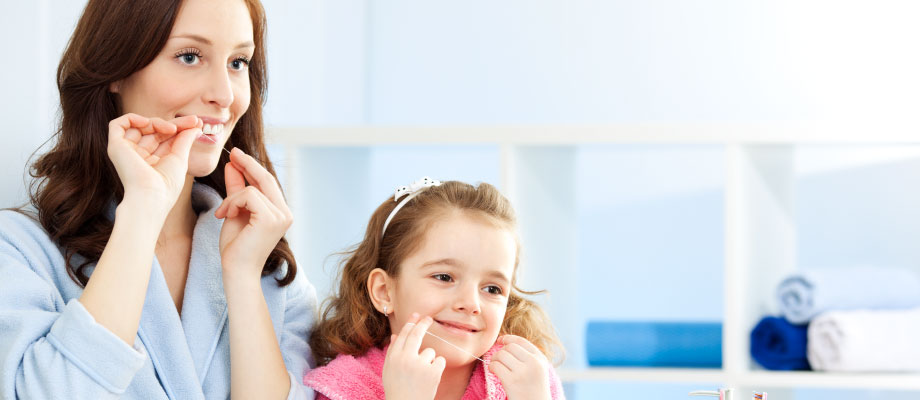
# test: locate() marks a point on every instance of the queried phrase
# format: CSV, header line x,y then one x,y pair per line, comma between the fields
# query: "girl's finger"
x,y
427,355
258,176
518,352
499,369
507,359
513,339
414,340
400,341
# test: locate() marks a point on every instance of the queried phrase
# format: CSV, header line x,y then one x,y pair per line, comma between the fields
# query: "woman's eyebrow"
x,y
205,40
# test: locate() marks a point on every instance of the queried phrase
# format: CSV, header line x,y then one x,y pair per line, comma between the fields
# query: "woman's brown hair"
x,y
75,182
351,325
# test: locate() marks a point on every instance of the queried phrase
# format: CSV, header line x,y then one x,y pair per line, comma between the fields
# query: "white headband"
x,y
412,190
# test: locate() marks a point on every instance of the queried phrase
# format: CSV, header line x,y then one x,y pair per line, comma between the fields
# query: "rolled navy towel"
x,y
779,345
804,295
654,344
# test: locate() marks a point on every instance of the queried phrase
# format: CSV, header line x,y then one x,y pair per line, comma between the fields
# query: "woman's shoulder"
x,y
20,228
25,247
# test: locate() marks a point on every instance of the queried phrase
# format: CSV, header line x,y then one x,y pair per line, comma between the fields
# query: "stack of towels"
x,y
843,319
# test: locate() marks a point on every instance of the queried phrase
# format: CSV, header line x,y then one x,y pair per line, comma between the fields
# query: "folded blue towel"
x,y
805,295
654,344
779,345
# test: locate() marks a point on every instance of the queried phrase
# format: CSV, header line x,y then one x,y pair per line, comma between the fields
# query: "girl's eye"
x,y
492,289
239,64
443,277
189,57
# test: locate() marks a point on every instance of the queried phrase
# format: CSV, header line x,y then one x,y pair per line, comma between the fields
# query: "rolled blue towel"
x,y
779,345
654,344
805,295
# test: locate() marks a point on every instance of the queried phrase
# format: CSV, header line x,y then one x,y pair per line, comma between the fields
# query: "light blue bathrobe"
x,y
52,348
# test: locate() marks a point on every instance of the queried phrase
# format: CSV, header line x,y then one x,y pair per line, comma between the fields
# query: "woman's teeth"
x,y
215,129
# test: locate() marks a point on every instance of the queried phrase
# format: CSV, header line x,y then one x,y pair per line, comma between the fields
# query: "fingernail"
x,y
236,149
414,315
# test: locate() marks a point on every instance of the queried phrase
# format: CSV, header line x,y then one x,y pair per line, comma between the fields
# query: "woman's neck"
x,y
180,223
454,382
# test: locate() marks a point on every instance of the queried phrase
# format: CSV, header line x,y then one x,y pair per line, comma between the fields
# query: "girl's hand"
x,y
150,156
408,374
256,217
522,368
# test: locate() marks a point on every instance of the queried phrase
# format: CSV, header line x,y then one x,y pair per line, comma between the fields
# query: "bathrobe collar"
x,y
181,348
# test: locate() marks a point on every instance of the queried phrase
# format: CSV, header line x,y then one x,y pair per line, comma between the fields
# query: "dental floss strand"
x,y
454,346
215,142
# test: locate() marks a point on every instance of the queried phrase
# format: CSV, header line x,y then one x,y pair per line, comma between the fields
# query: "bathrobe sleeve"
x,y
50,349
299,316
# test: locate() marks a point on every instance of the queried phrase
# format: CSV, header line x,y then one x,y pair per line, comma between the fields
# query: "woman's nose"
x,y
219,89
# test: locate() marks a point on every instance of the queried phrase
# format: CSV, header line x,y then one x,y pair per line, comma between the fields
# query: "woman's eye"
x,y
239,64
189,58
442,277
493,289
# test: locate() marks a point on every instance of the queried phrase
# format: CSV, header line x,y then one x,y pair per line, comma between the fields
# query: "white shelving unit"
x,y
760,230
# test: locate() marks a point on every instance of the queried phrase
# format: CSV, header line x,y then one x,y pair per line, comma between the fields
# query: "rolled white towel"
x,y
804,295
865,340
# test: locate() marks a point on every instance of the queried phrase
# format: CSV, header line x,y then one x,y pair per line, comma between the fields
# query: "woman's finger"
x,y
133,135
187,122
233,179
258,176
248,200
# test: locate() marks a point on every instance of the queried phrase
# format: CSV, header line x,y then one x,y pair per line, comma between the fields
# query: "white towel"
x,y
865,340
804,295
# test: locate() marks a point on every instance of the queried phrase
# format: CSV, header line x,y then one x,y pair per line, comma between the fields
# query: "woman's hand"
x,y
256,217
522,368
151,156
408,374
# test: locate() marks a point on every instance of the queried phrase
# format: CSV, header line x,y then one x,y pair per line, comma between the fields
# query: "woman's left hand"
x,y
522,368
256,217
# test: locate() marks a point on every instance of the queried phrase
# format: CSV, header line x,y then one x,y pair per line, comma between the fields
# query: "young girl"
x,y
437,268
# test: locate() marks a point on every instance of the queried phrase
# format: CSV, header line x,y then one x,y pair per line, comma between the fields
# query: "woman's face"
x,y
202,70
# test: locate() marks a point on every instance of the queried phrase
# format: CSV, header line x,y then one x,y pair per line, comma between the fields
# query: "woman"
x,y
147,267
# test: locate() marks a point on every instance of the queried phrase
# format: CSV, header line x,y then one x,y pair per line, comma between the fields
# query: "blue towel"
x,y
779,345
805,295
654,344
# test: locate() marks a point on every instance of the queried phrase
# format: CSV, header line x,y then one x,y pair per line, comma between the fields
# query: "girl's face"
x,y
202,70
461,277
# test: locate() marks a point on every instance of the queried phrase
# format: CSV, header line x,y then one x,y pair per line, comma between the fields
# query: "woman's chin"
x,y
200,165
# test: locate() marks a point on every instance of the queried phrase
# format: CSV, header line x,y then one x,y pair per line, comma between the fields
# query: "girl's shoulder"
x,y
350,377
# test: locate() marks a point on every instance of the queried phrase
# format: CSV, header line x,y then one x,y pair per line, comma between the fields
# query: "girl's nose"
x,y
468,301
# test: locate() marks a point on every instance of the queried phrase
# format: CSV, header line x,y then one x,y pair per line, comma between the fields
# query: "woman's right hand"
x,y
407,373
151,156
